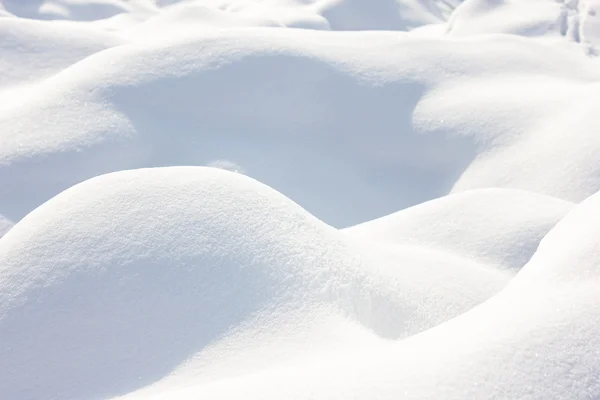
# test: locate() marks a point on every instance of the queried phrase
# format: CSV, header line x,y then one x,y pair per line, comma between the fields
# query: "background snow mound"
x,y
402,15
312,14
293,109
460,223
520,17
65,9
228,101
575,20
32,50
192,16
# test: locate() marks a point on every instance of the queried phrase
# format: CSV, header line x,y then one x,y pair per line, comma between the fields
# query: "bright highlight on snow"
x,y
307,199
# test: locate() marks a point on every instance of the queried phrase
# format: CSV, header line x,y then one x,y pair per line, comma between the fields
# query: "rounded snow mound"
x,y
538,338
523,18
126,276
400,15
32,50
65,9
500,227
576,21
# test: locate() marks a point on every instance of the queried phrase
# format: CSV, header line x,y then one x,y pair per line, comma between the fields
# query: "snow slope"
x,y
460,223
391,167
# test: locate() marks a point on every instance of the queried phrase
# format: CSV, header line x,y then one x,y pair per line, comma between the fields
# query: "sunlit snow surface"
x,y
299,199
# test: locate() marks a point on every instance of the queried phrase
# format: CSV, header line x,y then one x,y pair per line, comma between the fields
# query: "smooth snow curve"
x,y
460,223
244,199
104,275
537,339
292,107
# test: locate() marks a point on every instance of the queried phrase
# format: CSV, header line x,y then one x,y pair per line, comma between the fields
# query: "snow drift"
x,y
292,107
536,339
105,274
460,223
456,140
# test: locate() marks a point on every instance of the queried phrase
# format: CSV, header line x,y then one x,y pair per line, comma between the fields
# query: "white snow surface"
x,y
460,223
337,199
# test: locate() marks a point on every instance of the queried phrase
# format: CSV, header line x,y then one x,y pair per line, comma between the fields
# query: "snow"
x,y
196,252
299,199
460,224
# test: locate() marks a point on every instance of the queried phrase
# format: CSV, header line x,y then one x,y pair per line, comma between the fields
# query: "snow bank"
x,y
115,113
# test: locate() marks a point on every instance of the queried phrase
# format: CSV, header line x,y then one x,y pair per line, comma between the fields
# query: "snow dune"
x,y
299,199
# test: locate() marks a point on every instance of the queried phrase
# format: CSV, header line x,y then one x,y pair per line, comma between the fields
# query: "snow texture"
x,y
338,199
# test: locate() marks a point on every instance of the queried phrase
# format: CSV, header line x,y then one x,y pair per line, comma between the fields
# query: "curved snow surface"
x,y
204,275
460,223
173,175
537,339
128,275
351,125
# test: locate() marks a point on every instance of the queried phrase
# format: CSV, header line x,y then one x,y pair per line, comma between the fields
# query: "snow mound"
x,y
124,274
128,276
570,251
400,15
65,9
291,109
460,223
183,18
33,50
538,338
523,18
574,20
115,113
